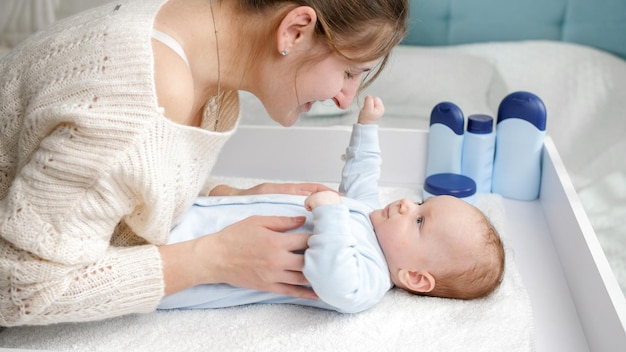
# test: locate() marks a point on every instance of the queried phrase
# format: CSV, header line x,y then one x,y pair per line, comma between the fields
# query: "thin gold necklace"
x,y
216,105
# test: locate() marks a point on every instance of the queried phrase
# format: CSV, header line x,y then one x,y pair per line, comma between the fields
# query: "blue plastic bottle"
x,y
520,133
445,139
478,151
456,185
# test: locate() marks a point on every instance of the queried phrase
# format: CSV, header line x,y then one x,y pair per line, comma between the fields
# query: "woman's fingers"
x,y
277,223
255,253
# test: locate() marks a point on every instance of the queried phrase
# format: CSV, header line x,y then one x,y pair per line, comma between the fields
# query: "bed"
x,y
565,251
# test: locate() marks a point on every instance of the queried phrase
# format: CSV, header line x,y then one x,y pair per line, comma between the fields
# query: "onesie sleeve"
x,y
361,171
342,265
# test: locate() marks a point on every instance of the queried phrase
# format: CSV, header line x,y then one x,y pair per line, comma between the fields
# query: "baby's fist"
x,y
372,110
321,198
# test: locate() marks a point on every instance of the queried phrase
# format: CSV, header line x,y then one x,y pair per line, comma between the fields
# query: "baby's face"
x,y
428,236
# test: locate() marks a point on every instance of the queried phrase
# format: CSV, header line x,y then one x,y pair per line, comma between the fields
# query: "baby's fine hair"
x,y
481,277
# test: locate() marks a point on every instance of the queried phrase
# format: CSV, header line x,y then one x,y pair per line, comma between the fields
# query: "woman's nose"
x,y
347,94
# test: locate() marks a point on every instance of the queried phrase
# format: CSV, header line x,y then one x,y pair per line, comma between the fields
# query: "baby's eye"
x,y
349,75
420,221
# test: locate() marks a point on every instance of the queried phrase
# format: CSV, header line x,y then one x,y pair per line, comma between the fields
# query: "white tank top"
x,y
171,43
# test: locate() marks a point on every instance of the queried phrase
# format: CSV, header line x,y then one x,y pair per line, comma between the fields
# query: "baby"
x,y
443,247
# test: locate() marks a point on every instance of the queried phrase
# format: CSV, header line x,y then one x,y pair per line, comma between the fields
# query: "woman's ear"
x,y
416,281
296,26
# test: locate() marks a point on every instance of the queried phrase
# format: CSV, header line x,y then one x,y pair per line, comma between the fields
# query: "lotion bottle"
x,y
520,133
445,139
478,151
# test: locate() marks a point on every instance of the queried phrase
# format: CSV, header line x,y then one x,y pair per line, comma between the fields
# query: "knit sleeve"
x,y
125,280
56,223
76,100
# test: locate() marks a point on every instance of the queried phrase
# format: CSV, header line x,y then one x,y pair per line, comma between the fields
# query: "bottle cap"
x,y
480,124
456,185
525,106
450,115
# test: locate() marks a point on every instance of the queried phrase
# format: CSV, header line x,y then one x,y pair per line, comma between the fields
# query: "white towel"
x,y
401,322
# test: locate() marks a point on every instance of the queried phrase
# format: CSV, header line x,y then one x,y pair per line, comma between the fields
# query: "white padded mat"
x,y
401,322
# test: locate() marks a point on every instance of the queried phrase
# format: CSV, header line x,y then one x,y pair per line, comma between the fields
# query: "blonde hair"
x,y
479,278
358,30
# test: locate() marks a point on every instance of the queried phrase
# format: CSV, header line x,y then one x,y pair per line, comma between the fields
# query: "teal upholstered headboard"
x,y
596,23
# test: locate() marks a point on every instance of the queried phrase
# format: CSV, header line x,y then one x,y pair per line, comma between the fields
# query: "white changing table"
x,y
577,302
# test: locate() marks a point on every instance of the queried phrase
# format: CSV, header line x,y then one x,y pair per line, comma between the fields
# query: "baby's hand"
x,y
321,198
372,110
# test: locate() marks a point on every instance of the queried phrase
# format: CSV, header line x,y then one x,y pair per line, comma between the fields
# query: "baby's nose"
x,y
404,206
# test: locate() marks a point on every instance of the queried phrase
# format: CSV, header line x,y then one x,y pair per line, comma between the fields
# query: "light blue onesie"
x,y
344,263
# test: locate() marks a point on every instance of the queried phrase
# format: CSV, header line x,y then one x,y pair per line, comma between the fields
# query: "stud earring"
x,y
283,53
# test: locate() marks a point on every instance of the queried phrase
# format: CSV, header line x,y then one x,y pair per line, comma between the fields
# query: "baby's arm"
x,y
372,110
342,263
361,171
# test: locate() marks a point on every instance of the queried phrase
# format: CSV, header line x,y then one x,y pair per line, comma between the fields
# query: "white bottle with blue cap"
x,y
445,139
479,147
520,133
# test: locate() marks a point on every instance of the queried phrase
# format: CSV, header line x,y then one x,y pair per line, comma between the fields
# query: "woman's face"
x,y
332,77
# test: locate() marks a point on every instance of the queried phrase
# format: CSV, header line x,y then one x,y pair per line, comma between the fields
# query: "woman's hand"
x,y
253,253
302,189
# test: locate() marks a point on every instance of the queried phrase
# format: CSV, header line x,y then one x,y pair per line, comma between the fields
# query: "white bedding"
x,y
401,322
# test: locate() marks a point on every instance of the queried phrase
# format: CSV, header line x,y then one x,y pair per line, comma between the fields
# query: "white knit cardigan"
x,y
92,175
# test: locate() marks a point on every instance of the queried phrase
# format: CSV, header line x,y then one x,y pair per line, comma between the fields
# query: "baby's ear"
x,y
417,281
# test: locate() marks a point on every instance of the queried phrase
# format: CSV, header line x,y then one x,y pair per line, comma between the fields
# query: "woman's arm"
x,y
301,189
56,220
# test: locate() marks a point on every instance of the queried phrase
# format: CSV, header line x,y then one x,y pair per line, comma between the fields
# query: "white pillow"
x,y
418,78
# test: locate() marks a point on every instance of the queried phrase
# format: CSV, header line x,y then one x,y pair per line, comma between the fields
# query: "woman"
x,y
112,120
